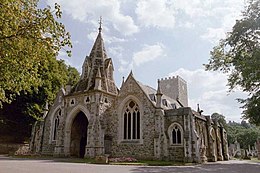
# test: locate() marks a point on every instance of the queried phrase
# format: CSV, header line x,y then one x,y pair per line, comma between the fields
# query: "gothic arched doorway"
x,y
79,133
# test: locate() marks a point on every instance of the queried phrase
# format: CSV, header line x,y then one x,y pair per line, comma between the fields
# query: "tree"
x,y
238,56
16,118
244,133
29,39
248,137
220,119
54,75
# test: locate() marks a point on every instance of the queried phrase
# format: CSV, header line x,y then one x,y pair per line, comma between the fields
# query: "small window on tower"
x,y
72,102
87,100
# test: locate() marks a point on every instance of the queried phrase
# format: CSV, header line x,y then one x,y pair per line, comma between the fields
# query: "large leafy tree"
x,y
30,74
17,117
30,39
238,55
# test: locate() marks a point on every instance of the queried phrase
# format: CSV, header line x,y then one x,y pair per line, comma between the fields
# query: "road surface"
x,y
14,165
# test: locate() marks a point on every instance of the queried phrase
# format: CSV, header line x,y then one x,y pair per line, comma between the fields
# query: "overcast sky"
x,y
158,39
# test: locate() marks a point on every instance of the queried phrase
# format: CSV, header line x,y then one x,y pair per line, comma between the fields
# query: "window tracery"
x,y
131,121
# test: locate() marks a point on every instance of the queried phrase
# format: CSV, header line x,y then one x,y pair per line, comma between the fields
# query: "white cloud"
x,y
116,51
108,39
213,35
227,17
85,11
155,13
92,35
210,18
210,91
148,53
124,65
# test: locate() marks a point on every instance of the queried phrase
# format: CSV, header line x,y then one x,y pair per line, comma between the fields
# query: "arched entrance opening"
x,y
79,133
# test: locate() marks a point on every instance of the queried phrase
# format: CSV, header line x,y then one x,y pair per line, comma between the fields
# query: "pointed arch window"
x,y
131,121
56,123
176,134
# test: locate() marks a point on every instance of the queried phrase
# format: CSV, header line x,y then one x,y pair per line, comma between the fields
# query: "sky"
x,y
157,39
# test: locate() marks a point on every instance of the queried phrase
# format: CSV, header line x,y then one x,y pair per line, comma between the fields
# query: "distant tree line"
x,y
244,133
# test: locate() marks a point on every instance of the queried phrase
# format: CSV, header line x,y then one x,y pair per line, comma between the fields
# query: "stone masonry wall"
x,y
176,153
176,88
145,148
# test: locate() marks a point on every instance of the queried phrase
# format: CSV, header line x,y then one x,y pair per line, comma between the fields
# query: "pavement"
x,y
17,165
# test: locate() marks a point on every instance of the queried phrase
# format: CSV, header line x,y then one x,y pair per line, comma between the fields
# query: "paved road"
x,y
8,165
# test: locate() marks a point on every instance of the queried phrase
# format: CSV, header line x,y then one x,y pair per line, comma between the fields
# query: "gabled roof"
x,y
168,103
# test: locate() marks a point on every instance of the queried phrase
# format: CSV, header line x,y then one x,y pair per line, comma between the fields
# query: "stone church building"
x,y
96,118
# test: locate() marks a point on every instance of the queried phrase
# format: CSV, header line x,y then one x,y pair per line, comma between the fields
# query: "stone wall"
x,y
176,88
143,148
180,116
9,148
176,154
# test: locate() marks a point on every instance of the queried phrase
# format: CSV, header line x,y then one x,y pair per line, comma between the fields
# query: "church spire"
x,y
97,70
100,24
98,49
159,96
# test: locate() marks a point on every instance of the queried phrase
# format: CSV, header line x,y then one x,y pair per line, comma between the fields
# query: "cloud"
x,y
108,39
87,11
210,18
124,65
213,35
155,13
210,91
148,53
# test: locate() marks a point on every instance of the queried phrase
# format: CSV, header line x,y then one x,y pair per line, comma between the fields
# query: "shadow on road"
x,y
206,168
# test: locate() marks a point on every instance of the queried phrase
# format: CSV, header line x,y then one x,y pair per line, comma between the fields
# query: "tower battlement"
x,y
173,78
175,87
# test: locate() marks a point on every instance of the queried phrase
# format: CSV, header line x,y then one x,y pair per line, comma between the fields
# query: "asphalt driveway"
x,y
13,165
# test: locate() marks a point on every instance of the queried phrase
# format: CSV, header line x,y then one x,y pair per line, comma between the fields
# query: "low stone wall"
x,y
14,149
9,148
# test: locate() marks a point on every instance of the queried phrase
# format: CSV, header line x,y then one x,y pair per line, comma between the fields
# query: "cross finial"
x,y
100,24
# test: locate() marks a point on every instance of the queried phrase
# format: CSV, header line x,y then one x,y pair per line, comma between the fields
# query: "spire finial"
x,y
100,24
159,88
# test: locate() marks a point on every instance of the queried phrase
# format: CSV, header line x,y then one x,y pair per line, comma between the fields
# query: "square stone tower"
x,y
175,88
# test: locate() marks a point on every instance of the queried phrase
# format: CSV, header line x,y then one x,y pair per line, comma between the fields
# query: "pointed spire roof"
x,y
97,69
131,73
159,92
98,49
123,81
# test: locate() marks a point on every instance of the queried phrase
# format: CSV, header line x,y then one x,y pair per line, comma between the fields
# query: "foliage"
x,y
30,39
54,76
238,56
220,119
18,116
244,133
